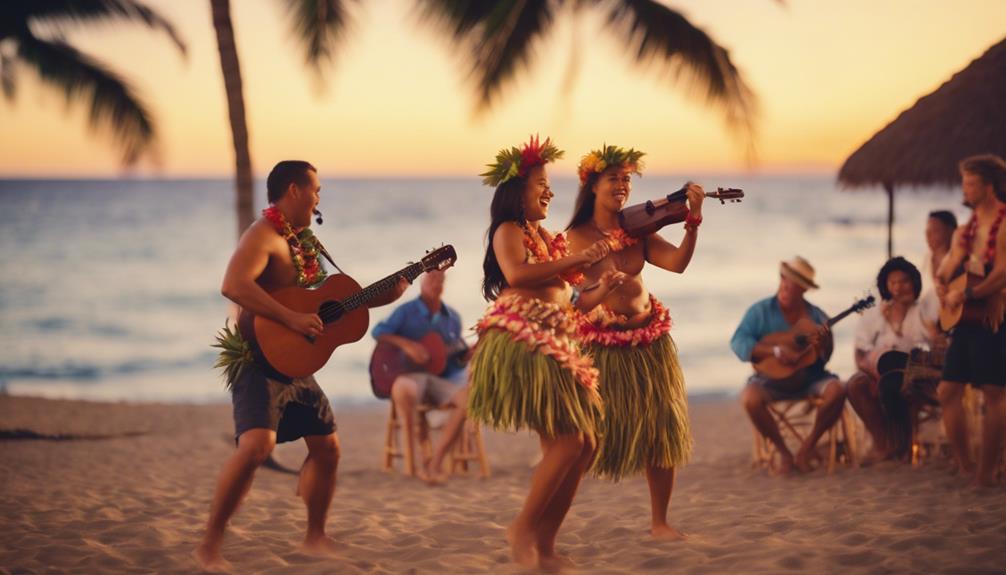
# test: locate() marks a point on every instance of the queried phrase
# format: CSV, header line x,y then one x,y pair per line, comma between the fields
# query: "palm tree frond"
x,y
658,35
498,36
55,11
320,25
113,104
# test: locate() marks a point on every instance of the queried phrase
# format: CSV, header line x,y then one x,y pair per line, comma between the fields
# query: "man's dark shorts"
x,y
813,385
977,356
292,410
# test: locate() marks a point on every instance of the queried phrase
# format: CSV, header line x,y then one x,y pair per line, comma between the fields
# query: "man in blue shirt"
x,y
403,329
778,314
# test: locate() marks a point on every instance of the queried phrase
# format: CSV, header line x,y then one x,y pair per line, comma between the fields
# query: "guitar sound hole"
x,y
331,311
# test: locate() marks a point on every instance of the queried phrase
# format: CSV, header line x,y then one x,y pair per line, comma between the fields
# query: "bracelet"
x,y
574,297
692,223
777,351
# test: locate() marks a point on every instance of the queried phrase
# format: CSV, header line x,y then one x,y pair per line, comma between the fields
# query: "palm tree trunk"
x,y
236,108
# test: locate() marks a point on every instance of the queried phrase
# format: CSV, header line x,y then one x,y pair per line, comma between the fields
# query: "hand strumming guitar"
x,y
308,324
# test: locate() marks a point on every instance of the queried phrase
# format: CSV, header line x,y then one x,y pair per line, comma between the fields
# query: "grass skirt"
x,y
527,372
645,409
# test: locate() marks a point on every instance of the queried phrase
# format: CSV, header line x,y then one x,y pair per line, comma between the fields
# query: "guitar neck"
x,y
362,297
841,316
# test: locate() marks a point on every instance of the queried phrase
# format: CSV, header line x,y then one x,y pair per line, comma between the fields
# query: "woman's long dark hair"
x,y
507,206
583,210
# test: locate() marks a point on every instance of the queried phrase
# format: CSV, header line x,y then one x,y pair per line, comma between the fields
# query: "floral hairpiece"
x,y
516,162
599,160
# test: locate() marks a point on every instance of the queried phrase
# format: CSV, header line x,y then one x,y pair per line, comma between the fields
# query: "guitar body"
x,y
972,312
389,361
293,354
341,304
797,339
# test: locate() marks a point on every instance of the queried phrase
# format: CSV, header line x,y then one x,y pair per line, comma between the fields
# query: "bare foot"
x,y
522,548
432,475
319,546
785,465
803,459
667,533
875,455
210,560
555,563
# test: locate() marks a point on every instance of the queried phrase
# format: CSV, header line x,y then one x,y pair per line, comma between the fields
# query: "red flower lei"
x,y
557,249
304,248
968,238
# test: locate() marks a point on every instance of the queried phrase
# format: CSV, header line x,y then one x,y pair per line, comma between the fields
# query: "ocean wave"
x,y
84,372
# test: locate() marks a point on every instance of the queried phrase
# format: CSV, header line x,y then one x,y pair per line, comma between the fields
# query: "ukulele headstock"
x,y
732,195
440,258
863,304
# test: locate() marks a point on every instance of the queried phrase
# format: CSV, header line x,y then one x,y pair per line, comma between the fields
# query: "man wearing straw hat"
x,y
779,313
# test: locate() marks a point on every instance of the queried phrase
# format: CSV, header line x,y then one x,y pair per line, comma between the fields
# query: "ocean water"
x,y
110,289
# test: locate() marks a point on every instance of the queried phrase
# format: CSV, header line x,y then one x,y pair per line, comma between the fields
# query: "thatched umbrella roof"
x,y
922,146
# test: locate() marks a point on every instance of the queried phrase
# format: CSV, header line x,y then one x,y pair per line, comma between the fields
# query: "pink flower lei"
x,y
543,326
596,327
304,248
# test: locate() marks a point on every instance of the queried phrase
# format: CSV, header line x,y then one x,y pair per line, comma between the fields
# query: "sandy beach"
x,y
137,504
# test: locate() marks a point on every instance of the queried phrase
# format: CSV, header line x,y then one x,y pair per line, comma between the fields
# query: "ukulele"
x,y
971,312
802,339
643,219
341,304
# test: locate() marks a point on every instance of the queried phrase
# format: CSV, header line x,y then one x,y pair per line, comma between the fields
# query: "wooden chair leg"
x,y
390,440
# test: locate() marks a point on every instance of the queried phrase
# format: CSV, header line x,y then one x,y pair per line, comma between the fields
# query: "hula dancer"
x,y
527,371
645,423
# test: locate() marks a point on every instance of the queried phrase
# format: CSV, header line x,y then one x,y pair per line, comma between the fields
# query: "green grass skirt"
x,y
645,409
514,387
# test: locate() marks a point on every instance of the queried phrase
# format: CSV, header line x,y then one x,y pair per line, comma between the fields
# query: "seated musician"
x,y
403,329
777,314
900,323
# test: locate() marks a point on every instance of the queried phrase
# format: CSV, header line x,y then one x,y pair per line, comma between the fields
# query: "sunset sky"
x,y
396,103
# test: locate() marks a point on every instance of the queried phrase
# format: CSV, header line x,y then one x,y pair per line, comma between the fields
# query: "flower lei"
x,y
304,248
542,326
597,161
595,327
516,162
618,239
557,248
968,238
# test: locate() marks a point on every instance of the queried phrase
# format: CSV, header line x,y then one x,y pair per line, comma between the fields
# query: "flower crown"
x,y
514,162
599,160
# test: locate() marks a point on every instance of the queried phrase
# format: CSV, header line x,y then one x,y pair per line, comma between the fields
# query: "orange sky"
x,y
829,74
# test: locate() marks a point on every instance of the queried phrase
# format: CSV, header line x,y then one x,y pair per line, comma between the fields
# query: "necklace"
x,y
555,248
304,248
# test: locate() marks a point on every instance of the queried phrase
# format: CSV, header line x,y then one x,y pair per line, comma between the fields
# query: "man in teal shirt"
x,y
403,329
778,314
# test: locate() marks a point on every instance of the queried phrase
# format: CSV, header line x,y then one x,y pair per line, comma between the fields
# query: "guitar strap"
x,y
324,252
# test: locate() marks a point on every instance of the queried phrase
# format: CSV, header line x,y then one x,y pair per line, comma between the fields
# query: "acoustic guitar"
x,y
342,305
643,219
389,361
971,312
801,338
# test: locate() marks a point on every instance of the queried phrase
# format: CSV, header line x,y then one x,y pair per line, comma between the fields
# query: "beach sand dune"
x,y
137,503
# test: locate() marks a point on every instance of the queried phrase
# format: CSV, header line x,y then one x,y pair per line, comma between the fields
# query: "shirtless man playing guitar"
x,y
977,352
269,408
